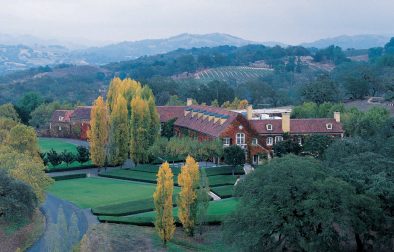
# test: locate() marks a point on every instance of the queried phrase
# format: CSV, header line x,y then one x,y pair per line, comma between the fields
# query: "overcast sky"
x,y
288,21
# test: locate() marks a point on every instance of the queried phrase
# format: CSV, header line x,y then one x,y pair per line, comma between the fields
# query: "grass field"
x,y
217,211
59,145
226,191
94,192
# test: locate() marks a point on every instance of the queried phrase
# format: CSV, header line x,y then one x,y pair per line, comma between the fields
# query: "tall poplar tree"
x,y
113,91
188,180
98,133
139,130
162,197
154,127
118,132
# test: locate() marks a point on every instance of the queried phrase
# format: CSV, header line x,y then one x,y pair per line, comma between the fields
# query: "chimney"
x,y
337,116
249,111
189,102
286,122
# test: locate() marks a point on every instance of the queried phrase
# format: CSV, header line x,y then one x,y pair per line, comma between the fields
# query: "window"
x,y
226,141
329,126
255,141
269,126
61,118
60,127
300,141
270,141
240,138
278,139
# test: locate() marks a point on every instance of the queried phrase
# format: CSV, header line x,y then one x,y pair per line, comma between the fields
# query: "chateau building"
x,y
253,134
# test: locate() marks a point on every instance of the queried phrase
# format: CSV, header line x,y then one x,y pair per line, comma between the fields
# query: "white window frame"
x,y
329,126
255,141
269,141
268,127
278,139
226,141
61,118
240,138
60,128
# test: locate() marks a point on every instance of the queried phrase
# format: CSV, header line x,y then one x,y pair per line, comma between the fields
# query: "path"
x,y
214,196
50,210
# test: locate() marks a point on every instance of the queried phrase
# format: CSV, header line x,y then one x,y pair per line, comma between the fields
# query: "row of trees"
x,y
126,124
192,201
55,159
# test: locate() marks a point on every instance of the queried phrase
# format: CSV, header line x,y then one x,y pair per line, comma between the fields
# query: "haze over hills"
x,y
23,52
363,41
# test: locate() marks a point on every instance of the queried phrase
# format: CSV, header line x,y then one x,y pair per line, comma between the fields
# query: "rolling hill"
x,y
356,41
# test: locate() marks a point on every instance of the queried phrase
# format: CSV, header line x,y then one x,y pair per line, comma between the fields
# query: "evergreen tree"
x,y
118,132
188,180
98,133
162,197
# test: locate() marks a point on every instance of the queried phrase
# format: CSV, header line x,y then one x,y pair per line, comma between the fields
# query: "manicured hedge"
x,y
71,176
153,168
130,175
221,180
223,192
217,212
169,159
60,168
126,208
223,170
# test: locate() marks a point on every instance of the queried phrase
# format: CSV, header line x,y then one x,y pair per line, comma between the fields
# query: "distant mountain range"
x,y
355,41
23,52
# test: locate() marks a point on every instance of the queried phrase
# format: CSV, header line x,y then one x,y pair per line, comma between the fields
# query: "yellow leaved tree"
x,y
118,132
188,180
98,133
164,223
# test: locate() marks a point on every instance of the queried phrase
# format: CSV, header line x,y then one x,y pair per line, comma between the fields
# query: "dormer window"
x,y
269,126
255,141
61,118
329,126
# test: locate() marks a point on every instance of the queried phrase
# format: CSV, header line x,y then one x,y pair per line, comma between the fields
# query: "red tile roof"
x,y
61,115
204,125
81,113
298,126
167,113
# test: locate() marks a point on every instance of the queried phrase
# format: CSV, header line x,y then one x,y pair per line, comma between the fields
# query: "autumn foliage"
x,y
188,180
164,224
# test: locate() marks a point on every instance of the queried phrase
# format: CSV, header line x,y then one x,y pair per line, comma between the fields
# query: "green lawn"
x,y
141,176
59,145
217,211
221,180
226,191
94,192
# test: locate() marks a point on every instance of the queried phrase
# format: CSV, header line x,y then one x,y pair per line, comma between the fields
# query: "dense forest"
x,y
297,75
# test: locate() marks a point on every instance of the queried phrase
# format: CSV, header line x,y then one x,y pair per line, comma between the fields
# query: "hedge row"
x,y
71,176
217,212
54,169
224,170
126,208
